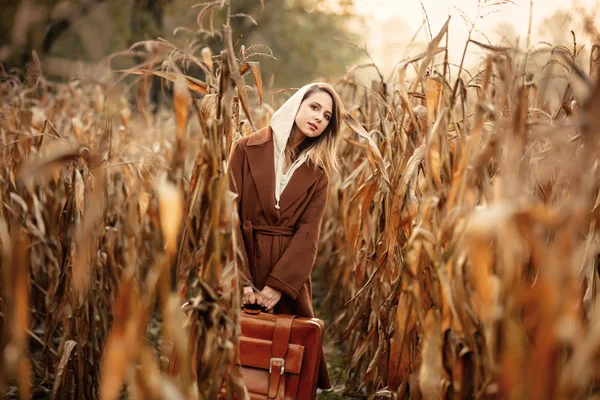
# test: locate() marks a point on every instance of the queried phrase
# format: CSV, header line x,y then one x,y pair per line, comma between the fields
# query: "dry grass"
x,y
460,242
109,221
473,272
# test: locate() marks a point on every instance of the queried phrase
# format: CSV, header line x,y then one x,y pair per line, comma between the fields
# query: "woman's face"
x,y
314,114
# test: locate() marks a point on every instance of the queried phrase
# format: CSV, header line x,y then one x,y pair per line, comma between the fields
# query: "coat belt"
x,y
248,231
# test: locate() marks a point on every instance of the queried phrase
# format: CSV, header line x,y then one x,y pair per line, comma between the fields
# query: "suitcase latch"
x,y
277,360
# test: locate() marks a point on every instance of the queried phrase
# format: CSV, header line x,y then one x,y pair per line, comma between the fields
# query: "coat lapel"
x,y
302,179
260,155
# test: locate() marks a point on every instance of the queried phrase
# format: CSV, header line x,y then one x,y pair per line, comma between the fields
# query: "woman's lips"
x,y
313,126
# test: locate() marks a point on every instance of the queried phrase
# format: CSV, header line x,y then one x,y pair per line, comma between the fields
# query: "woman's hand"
x,y
249,297
268,297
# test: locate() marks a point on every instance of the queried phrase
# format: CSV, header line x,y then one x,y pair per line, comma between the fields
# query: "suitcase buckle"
x,y
274,360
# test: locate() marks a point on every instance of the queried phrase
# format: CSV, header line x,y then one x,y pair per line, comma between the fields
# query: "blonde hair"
x,y
321,150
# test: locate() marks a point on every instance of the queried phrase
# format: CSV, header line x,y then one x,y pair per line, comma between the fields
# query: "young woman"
x,y
281,176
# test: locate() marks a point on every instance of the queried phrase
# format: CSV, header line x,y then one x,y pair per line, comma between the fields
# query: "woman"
x,y
281,176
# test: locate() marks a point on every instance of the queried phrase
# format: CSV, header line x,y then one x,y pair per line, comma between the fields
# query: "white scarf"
x,y
282,122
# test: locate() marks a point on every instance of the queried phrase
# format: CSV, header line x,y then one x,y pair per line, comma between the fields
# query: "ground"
x,y
336,357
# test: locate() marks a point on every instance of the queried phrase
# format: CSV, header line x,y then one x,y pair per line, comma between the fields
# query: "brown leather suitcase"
x,y
279,355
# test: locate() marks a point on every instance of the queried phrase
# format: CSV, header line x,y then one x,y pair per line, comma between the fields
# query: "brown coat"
x,y
280,246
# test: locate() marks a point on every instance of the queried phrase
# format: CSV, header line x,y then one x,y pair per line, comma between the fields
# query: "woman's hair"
x,y
321,150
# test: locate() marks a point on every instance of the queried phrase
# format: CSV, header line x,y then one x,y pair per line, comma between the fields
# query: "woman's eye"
x,y
313,107
327,117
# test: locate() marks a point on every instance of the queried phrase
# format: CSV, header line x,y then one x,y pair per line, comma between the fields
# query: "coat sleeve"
x,y
296,264
235,168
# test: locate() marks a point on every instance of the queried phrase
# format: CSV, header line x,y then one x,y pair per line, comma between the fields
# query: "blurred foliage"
x,y
309,39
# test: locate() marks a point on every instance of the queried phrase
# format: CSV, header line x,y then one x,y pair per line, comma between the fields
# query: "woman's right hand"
x,y
248,297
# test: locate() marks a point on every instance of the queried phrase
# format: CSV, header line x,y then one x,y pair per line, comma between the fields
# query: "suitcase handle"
x,y
253,309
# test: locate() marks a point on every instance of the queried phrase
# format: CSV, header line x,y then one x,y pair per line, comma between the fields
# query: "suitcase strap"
x,y
281,339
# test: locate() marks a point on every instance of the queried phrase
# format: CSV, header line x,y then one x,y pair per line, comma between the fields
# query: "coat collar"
x,y
261,155
261,137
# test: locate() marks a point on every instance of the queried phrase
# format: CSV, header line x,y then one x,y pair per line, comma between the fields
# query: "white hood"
x,y
281,123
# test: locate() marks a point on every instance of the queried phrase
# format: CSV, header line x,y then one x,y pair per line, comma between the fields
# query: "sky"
x,y
438,10
411,12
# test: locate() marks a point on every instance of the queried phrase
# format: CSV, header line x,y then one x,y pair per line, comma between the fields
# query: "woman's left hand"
x,y
268,297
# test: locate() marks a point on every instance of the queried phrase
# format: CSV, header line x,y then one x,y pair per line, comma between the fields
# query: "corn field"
x,y
464,260
459,244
